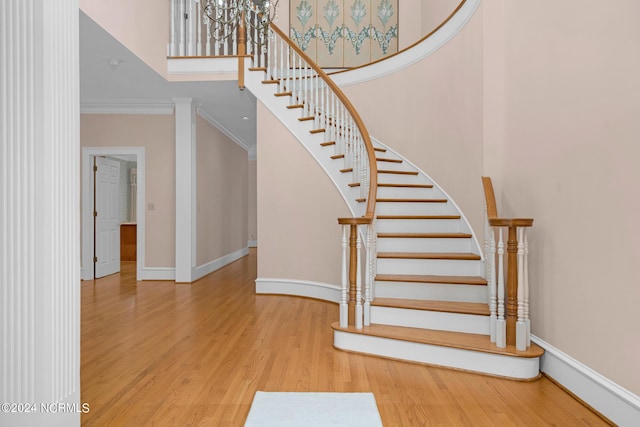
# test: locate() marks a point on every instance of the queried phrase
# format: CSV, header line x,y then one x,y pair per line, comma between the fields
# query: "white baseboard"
x,y
217,264
301,288
252,243
614,402
158,273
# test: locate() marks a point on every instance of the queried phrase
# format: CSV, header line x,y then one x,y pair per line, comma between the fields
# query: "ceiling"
x,y
133,83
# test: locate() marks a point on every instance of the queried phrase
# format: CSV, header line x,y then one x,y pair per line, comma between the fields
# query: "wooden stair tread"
x,y
295,106
418,217
283,94
381,150
361,199
429,255
305,119
314,131
412,200
399,172
354,184
382,159
337,156
346,170
270,82
328,143
406,185
424,278
264,69
426,235
476,308
460,340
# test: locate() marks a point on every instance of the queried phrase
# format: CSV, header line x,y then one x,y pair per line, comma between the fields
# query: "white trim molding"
x,y
198,66
614,402
128,106
158,273
228,133
300,288
217,264
412,55
252,243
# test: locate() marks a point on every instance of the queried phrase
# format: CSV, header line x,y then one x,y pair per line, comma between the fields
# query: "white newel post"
x,y
185,116
526,289
358,311
521,339
39,211
501,323
344,291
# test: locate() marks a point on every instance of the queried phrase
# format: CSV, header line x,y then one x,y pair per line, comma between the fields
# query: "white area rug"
x,y
313,410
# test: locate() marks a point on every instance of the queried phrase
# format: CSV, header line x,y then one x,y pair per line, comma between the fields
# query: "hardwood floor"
x,y
161,354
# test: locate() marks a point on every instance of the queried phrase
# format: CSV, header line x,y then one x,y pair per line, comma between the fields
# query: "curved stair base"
x,y
467,352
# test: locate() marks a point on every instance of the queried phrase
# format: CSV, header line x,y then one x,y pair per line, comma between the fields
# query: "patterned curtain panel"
x,y
344,33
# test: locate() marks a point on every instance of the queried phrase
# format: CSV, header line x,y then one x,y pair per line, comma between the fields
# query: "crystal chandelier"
x,y
224,17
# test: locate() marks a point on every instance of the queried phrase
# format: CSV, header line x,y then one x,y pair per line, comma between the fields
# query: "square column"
x,y
186,201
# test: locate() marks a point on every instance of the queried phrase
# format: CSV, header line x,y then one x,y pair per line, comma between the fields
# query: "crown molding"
x,y
127,106
214,122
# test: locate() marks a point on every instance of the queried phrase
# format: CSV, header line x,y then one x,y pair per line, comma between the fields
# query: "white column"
x,y
39,210
185,189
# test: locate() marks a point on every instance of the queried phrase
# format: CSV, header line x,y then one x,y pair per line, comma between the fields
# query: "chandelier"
x,y
224,17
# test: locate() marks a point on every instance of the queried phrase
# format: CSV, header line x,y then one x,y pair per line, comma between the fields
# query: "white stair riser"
x,y
424,245
392,178
408,193
431,291
418,225
456,322
439,267
392,166
523,368
414,208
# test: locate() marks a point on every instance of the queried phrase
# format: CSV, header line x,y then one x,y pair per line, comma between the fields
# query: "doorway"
x,y
87,210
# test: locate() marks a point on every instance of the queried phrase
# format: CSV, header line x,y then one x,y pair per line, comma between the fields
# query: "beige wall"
x,y
253,200
156,133
434,12
431,113
298,208
222,187
142,26
572,162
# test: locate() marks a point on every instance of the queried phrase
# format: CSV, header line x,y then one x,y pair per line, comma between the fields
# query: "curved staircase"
x,y
430,297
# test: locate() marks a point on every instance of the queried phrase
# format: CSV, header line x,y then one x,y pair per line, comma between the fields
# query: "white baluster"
x,y
358,313
501,324
344,293
198,25
527,321
181,29
492,283
172,42
521,338
190,26
208,42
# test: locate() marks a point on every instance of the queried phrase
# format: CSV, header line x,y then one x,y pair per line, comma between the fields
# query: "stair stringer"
x,y
301,130
466,226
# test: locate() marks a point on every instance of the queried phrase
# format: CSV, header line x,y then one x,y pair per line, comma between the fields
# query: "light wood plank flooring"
x,y
161,354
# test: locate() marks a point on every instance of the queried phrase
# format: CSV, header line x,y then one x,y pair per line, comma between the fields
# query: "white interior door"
x,y
107,215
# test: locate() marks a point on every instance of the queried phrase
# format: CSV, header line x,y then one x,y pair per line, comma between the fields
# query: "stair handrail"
x,y
373,175
510,323
322,101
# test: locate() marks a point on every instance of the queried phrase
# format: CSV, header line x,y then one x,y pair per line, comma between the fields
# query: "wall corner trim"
x,y
300,288
611,400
